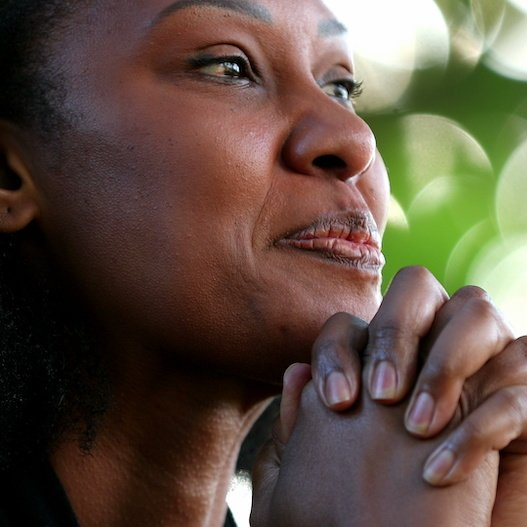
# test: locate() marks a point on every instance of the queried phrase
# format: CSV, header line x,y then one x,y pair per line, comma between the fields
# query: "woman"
x,y
189,180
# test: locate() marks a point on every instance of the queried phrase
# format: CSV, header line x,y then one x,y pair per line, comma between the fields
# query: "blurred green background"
x,y
445,91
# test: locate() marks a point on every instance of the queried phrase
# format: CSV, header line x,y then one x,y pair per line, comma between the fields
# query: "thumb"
x,y
295,379
267,467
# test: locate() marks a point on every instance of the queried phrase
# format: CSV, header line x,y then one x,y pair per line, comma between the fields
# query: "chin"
x,y
290,335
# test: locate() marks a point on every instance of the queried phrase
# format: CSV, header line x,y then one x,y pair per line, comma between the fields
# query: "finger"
x,y
469,340
491,427
336,364
264,478
507,369
406,315
500,422
267,466
295,379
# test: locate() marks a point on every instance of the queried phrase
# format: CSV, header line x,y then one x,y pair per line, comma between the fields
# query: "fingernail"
x,y
421,414
337,389
439,465
384,381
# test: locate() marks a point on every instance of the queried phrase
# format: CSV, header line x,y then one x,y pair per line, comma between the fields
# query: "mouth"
x,y
350,239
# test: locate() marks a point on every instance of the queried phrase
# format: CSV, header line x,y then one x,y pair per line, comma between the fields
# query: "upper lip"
x,y
355,226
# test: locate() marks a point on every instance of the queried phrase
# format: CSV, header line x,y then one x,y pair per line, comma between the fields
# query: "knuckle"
x,y
483,308
325,347
470,292
423,278
332,341
473,431
467,401
386,339
441,369
514,404
510,366
521,345
416,273
328,353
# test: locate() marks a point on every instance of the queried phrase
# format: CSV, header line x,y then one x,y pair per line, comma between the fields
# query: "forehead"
x,y
117,18
107,45
268,11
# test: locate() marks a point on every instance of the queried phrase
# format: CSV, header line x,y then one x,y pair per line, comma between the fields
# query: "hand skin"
x,y
510,508
461,340
361,469
429,345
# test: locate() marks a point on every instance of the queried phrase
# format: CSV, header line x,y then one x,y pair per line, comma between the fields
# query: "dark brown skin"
x,y
169,205
366,455
190,178
176,184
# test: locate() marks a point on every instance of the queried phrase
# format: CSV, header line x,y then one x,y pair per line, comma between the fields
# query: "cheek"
x,y
375,187
159,232
160,229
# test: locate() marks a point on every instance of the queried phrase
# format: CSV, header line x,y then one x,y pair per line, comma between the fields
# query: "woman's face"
x,y
216,196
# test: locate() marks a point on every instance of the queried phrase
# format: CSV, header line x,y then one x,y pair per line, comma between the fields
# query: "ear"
x,y
18,205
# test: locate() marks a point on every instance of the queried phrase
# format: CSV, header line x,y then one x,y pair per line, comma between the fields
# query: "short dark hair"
x,y
29,85
51,378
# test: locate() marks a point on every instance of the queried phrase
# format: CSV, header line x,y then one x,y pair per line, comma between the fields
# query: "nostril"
x,y
329,162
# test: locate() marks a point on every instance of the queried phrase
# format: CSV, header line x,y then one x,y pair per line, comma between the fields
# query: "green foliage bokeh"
x,y
459,205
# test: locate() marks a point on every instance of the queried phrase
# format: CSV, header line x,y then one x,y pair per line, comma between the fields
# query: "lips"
x,y
351,239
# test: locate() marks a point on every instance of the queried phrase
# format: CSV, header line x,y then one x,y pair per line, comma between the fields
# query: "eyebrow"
x,y
253,10
331,28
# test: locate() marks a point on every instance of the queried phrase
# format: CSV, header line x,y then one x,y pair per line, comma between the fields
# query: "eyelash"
x,y
244,71
353,88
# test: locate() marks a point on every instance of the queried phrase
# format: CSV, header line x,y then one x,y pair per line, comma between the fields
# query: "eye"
x,y
345,90
225,67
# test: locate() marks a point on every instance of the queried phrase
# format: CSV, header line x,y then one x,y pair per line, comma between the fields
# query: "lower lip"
x,y
357,255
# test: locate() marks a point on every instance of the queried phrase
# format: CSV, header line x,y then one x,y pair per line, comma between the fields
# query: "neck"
x,y
165,452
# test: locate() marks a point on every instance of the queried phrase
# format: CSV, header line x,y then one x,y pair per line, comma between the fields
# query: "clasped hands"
x,y
446,445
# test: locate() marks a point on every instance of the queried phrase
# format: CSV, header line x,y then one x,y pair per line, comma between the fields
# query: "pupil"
x,y
233,68
341,92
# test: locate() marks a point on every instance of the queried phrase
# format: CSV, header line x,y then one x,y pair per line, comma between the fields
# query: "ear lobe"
x,y
18,206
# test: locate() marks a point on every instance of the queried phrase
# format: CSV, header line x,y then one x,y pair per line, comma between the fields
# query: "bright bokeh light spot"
x,y
462,255
474,30
508,53
390,41
396,215
437,148
433,195
514,131
239,499
487,16
467,44
406,33
519,4
383,85
502,271
511,195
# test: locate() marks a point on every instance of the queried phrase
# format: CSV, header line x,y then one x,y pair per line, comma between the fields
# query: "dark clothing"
x,y
35,498
229,521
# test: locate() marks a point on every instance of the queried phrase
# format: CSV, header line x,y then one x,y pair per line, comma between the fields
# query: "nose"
x,y
329,139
